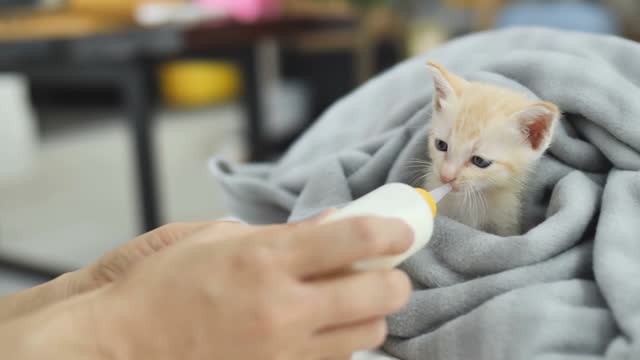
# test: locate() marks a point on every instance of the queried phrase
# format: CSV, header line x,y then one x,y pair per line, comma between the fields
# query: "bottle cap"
x,y
429,199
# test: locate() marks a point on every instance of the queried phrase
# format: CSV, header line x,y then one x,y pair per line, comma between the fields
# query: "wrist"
x,y
81,282
102,315
34,299
60,331
83,327
112,319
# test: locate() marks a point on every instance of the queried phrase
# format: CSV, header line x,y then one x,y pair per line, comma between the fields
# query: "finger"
x,y
359,337
310,221
150,243
120,260
230,230
360,296
169,234
323,249
339,357
227,230
318,218
287,226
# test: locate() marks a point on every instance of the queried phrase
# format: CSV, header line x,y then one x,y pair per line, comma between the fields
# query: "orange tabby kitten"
x,y
483,141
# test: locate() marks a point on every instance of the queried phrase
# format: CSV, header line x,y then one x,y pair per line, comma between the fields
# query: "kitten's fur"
x,y
495,124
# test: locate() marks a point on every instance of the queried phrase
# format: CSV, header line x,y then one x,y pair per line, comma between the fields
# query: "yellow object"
x,y
429,199
197,83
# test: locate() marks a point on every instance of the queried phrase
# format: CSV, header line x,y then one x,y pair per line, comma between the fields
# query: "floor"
x,y
80,199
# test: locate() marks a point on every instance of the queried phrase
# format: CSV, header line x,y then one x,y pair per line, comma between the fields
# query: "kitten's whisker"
x,y
414,180
484,206
518,181
420,177
419,181
472,197
474,201
423,171
419,162
466,200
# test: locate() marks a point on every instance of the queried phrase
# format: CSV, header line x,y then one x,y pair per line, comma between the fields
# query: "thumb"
x,y
314,220
317,218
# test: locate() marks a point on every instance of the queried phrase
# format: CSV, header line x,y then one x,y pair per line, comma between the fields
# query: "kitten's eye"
x,y
441,145
480,162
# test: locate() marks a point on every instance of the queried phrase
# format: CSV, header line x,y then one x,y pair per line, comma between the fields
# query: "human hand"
x,y
105,270
277,292
120,261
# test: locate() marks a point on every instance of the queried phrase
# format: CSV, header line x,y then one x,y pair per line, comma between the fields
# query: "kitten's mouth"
x,y
459,188
454,187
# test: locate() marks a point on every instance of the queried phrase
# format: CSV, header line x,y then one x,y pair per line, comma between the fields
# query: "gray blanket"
x,y
569,288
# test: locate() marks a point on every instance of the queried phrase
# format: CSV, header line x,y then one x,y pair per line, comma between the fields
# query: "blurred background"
x,y
110,109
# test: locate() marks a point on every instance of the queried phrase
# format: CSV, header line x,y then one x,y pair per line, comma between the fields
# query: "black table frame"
x,y
128,70
131,80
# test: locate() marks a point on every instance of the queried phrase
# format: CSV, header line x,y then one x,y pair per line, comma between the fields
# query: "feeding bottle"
x,y
415,206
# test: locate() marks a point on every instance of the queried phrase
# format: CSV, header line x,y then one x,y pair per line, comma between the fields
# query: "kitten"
x,y
484,140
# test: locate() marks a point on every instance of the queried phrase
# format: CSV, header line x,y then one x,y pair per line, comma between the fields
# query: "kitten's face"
x,y
484,137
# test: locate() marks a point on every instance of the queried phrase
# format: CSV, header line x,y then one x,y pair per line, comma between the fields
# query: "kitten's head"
x,y
482,136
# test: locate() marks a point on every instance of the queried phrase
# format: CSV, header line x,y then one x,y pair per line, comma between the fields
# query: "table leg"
x,y
139,113
257,144
29,268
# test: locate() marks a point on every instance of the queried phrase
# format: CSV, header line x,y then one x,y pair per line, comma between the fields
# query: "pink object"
x,y
244,10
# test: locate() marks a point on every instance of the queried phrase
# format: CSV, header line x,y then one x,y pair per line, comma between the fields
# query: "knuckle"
x,y
389,281
369,241
398,286
256,257
277,310
344,306
305,301
361,227
378,333
267,320
404,232
170,228
167,234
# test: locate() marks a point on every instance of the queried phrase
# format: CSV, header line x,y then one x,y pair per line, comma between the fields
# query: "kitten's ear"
x,y
537,122
447,85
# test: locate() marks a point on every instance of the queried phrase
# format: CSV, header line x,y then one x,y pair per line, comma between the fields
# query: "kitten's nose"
x,y
447,174
447,178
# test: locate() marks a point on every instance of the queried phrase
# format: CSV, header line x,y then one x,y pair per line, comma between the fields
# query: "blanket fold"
x,y
569,287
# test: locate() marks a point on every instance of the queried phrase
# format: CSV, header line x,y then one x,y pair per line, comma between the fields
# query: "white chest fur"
x,y
498,212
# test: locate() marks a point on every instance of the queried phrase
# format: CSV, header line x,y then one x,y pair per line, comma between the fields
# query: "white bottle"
x,y
415,206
